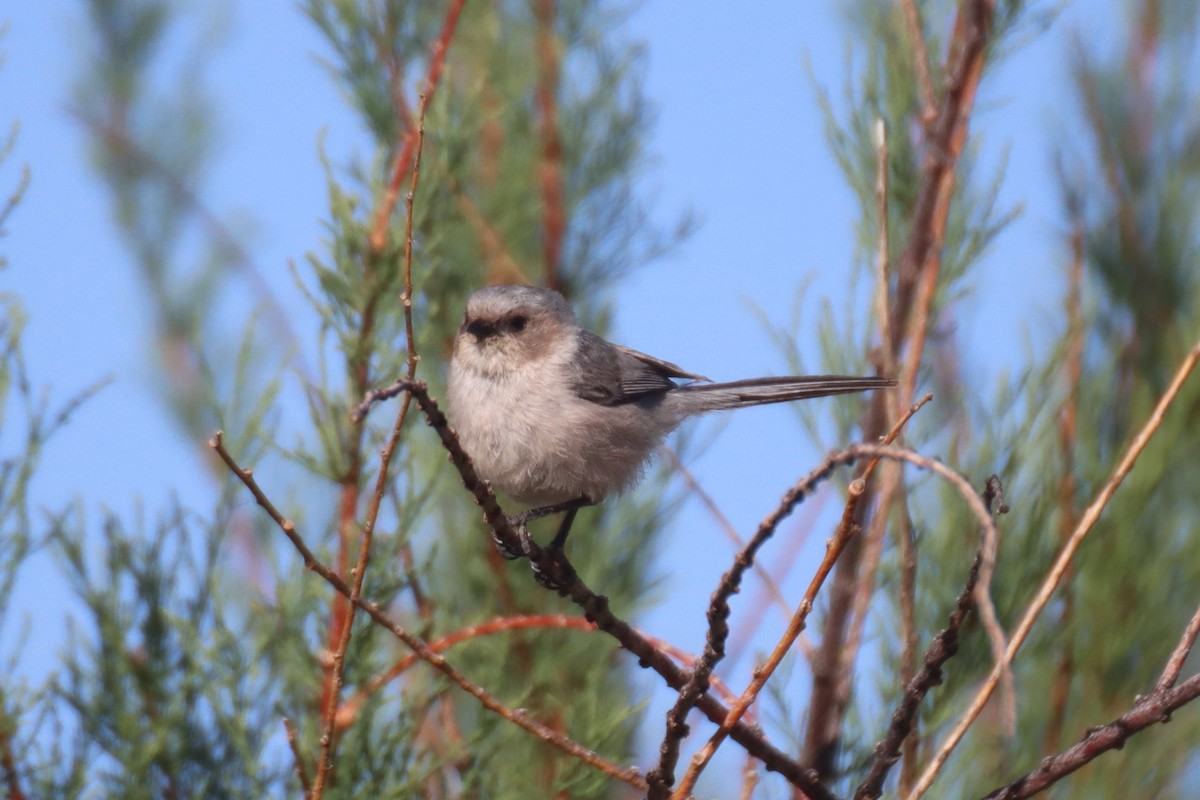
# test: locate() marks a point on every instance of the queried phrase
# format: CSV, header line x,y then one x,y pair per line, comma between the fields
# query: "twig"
x,y
333,694
943,647
883,249
1146,712
550,163
663,776
916,38
1055,576
908,656
404,156
349,710
872,545
594,606
831,678
763,673
991,621
298,757
1179,654
419,646
918,267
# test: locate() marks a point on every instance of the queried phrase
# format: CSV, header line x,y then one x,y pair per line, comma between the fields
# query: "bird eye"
x,y
517,324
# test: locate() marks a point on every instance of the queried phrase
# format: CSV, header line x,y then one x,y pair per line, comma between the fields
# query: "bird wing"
x,y
610,374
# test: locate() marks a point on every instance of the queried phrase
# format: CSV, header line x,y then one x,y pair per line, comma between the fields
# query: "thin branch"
x,y
943,647
1148,711
404,155
297,757
1057,571
918,270
908,623
349,710
947,136
663,776
883,249
920,55
415,643
594,606
1179,654
550,162
834,549
333,694
990,621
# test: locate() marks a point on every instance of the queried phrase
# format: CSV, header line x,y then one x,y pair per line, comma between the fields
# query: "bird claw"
x,y
552,570
505,549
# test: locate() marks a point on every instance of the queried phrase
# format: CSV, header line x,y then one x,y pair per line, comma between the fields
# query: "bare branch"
x,y
333,693
920,55
943,647
991,621
1179,655
1148,711
1057,571
834,549
297,757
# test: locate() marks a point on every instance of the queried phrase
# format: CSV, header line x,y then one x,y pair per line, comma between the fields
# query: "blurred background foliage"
x,y
200,630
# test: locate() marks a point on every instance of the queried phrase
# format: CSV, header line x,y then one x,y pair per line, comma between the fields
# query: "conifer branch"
x,y
329,713
404,155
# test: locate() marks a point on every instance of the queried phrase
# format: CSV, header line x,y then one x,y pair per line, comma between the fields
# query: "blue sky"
x,y
738,141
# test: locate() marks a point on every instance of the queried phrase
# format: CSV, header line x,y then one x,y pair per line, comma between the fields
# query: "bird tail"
x,y
697,397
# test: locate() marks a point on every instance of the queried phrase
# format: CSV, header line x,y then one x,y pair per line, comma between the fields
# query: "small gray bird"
x,y
559,418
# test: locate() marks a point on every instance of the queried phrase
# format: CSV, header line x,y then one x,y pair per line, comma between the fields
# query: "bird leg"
x,y
531,549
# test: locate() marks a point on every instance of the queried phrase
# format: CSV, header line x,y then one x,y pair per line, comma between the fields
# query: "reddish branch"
x,y
1067,432
404,156
916,282
349,710
550,162
419,646
835,548
9,765
336,667
341,615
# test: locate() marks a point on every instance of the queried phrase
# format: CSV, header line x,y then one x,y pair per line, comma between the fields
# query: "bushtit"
x,y
559,418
